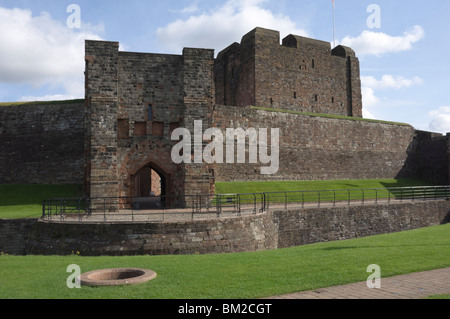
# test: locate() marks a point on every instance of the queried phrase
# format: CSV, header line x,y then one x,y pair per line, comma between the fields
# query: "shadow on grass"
x,y
21,195
406,182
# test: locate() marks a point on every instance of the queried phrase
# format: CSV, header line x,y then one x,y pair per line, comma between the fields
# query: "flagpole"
x,y
334,26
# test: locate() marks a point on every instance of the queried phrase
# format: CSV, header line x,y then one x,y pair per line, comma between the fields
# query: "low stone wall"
x,y
14,234
271,230
312,225
249,233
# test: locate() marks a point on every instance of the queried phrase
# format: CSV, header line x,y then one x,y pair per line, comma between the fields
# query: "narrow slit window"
x,y
150,112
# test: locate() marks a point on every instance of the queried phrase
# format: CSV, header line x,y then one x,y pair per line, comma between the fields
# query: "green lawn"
x,y
41,102
333,116
25,201
287,186
239,275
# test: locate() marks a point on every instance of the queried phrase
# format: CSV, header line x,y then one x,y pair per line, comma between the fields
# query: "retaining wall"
x,y
312,225
271,230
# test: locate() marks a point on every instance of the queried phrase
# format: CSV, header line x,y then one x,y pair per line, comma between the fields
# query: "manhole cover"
x,y
116,277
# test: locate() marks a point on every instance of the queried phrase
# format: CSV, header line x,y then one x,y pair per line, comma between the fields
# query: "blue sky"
x,y
402,45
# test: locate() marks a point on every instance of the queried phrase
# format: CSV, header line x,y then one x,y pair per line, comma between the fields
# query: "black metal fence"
x,y
182,207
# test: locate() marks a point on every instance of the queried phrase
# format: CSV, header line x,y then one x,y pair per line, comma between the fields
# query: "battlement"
x,y
295,41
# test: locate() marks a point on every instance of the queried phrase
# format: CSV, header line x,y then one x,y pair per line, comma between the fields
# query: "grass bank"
x,y
289,186
239,275
25,201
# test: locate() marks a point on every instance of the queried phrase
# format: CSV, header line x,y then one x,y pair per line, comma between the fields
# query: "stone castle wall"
x,y
42,143
320,148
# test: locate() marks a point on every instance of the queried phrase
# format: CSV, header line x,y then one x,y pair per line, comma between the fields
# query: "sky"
x,y
402,45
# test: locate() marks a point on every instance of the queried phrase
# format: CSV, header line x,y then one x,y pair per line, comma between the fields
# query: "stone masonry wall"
x,y
429,152
312,225
277,229
319,148
250,233
42,143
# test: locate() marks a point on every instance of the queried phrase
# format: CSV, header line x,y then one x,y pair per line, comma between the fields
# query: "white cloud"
x,y
440,120
369,101
191,9
379,43
39,50
224,25
389,82
369,86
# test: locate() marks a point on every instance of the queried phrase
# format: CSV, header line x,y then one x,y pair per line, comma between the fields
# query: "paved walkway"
x,y
411,286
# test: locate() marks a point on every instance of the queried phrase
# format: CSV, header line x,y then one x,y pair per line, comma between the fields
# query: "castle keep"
x,y
301,74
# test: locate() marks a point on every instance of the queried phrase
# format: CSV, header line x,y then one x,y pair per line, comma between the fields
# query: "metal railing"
x,y
191,207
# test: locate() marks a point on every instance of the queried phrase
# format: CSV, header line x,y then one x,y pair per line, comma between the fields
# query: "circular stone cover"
x,y
117,276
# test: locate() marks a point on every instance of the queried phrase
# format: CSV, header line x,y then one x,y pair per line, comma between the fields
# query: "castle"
x,y
139,99
117,142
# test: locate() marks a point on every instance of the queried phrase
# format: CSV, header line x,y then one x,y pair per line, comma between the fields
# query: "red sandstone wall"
x,y
318,148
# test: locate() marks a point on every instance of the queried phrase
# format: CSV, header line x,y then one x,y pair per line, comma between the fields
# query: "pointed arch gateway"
x,y
150,186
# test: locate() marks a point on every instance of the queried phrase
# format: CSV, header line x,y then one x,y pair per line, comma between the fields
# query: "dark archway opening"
x,y
149,188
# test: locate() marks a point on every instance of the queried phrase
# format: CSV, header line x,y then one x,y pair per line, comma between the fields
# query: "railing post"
x,y
303,199
79,209
43,208
285,200
263,202
318,197
238,205
334,198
